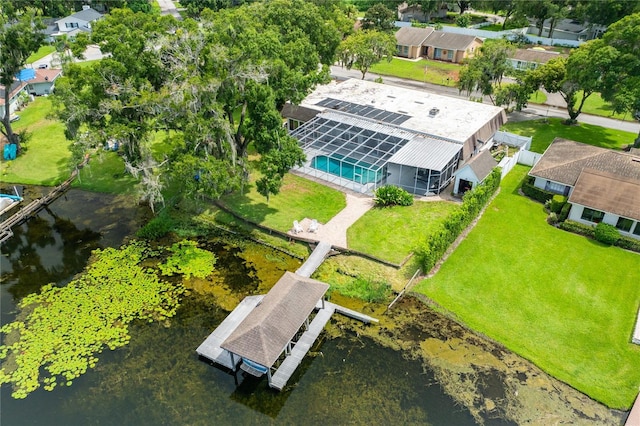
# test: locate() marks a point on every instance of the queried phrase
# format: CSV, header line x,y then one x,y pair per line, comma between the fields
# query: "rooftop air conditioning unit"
x,y
433,112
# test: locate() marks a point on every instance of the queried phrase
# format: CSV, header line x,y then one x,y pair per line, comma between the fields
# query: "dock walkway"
x,y
315,260
302,346
211,349
36,205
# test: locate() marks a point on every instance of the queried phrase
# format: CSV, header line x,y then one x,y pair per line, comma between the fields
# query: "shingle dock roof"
x,y
263,334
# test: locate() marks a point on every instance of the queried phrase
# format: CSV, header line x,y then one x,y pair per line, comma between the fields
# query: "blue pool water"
x,y
347,168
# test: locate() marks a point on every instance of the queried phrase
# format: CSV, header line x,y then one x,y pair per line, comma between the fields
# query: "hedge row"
x,y
535,193
473,202
623,241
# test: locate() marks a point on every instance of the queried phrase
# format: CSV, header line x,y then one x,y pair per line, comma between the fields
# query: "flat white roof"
x,y
456,119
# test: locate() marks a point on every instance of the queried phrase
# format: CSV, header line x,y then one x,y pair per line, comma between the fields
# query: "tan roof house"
x,y
602,185
525,59
412,43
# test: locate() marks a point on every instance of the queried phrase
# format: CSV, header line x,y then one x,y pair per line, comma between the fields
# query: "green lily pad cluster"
x,y
59,332
187,259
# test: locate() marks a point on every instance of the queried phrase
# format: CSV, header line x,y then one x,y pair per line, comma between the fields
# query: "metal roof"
x,y
426,153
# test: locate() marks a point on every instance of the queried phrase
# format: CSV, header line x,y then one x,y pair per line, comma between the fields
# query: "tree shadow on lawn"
x,y
244,206
581,132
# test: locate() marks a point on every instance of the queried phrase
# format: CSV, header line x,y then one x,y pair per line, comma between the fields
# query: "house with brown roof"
x,y
413,12
412,43
474,172
38,82
602,185
528,59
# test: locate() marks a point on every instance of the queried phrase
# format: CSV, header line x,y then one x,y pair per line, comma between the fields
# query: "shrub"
x,y
628,243
607,234
157,227
472,203
552,219
564,212
535,193
557,203
463,20
577,228
390,195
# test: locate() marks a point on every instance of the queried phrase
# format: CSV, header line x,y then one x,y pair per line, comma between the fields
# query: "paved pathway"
x,y
167,7
335,231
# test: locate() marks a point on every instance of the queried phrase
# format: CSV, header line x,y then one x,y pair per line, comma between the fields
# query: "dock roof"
x,y
263,334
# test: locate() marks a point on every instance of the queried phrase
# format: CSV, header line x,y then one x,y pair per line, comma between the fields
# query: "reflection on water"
x,y
416,367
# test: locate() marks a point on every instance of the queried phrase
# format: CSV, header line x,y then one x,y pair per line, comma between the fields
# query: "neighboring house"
x,y
408,13
362,135
79,21
528,59
474,172
602,185
412,42
44,82
568,29
15,100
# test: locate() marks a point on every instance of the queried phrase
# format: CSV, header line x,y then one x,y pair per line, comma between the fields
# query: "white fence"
x,y
484,33
512,139
523,156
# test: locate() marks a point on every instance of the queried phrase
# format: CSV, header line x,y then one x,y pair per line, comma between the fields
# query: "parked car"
x,y
43,66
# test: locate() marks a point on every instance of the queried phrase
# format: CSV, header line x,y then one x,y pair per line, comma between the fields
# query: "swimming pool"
x,y
347,168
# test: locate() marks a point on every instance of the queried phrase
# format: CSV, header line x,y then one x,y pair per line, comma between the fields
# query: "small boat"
x,y
253,368
9,201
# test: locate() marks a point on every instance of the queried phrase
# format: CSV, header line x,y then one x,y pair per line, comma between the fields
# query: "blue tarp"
x,y
10,151
26,74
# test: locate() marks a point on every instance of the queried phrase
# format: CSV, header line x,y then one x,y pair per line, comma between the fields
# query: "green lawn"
x,y
595,105
538,97
544,131
392,233
560,300
298,198
41,53
437,72
45,160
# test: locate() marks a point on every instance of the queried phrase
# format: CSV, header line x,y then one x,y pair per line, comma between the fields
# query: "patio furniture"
x,y
296,227
313,227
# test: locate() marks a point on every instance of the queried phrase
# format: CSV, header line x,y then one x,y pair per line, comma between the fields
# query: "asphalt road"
x,y
529,113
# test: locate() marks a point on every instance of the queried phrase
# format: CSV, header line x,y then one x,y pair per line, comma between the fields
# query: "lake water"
x,y
416,367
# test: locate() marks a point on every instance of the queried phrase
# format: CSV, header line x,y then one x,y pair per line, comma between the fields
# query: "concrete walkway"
x,y
335,231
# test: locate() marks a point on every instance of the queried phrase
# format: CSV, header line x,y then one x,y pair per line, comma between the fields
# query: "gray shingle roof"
x,y
564,160
537,56
450,41
298,112
412,36
263,334
88,15
482,164
607,192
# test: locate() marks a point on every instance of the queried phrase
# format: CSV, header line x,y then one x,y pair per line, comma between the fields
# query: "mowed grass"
x,y
564,302
595,105
45,160
298,198
443,73
41,53
392,233
544,131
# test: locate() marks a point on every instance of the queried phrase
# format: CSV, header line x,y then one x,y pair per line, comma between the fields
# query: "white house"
x,y
525,59
44,82
602,185
79,21
362,135
568,29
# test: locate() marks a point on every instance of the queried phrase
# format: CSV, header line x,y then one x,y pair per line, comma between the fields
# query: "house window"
x,y
71,25
405,50
624,224
294,124
555,187
592,215
636,231
450,55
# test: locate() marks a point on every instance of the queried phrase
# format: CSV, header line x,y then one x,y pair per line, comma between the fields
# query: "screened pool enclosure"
x,y
362,154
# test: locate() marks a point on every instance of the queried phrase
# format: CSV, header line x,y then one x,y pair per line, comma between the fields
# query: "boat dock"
x,y
211,349
36,205
315,259
282,375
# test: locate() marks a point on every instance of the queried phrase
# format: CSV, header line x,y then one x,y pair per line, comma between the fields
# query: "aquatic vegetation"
x,y
187,259
59,332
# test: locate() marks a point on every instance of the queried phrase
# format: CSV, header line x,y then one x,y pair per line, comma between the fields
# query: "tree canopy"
x,y
210,89
485,70
20,36
365,48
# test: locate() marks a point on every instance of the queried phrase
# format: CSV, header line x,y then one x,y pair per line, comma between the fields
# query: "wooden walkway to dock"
x,y
36,205
315,259
301,348
211,349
